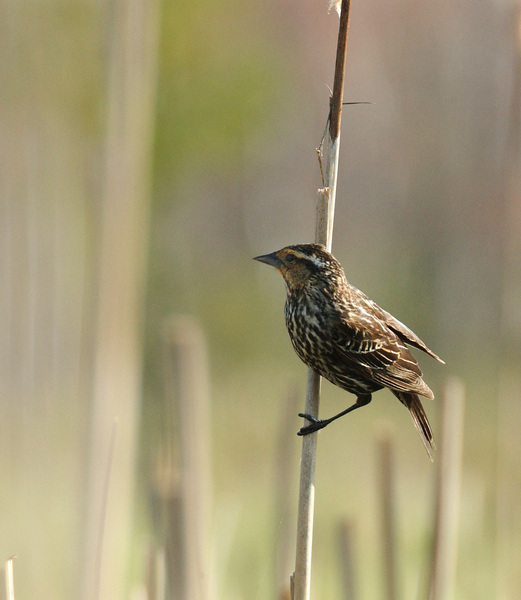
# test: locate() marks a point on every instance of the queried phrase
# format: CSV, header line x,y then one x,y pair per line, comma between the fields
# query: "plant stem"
x,y
9,579
387,486
444,555
323,235
132,59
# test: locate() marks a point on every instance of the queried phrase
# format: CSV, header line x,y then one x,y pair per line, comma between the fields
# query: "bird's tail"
x,y
413,403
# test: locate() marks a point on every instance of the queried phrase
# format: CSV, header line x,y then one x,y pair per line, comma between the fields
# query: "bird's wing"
x,y
401,330
376,351
407,334
362,333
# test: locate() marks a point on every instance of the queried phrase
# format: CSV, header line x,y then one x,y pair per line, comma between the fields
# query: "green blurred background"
x,y
148,151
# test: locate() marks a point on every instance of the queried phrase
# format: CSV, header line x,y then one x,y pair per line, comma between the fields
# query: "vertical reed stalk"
x,y
286,463
388,517
131,84
9,579
301,582
155,574
347,560
444,556
507,500
188,389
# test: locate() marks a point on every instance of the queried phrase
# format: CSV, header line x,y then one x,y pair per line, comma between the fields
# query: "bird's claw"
x,y
309,418
316,424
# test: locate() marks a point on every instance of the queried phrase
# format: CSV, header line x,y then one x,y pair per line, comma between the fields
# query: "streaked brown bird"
x,y
344,336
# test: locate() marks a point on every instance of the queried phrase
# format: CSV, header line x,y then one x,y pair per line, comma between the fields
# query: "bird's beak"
x,y
270,259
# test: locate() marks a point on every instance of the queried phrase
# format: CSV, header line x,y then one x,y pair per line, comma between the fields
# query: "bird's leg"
x,y
317,424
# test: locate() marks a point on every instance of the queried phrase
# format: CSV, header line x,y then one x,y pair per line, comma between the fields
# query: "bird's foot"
x,y
316,424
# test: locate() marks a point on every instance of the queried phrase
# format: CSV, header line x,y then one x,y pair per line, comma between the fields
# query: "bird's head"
x,y
302,264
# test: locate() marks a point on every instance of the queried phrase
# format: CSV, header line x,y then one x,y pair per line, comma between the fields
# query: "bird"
x,y
345,337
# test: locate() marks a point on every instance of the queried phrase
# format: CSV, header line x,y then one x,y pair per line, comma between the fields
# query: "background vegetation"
x,y
428,223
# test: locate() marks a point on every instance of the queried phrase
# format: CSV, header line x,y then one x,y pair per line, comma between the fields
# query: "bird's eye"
x,y
290,258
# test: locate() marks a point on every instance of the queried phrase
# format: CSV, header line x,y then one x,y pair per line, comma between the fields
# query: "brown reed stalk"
x,y
443,564
301,581
347,560
387,497
187,389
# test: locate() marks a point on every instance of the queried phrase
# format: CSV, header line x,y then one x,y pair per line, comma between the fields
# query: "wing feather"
x,y
392,323
368,344
408,335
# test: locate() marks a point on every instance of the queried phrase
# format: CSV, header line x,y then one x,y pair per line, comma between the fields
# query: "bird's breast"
x,y
304,325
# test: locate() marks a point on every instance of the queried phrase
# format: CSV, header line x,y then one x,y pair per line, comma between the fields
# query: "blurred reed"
x,y
448,493
181,493
507,482
346,553
507,520
285,467
155,582
132,38
9,579
388,515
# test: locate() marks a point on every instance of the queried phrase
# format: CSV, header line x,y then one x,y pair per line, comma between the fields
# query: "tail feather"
x,y
413,403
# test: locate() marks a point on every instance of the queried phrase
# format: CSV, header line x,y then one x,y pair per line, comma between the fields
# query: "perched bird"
x,y
345,337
